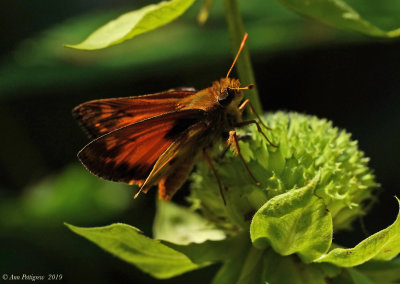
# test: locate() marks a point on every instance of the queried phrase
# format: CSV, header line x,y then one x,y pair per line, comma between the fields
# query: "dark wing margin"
x,y
129,154
99,117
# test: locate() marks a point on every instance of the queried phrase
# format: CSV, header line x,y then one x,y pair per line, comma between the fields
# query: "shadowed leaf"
x,y
337,14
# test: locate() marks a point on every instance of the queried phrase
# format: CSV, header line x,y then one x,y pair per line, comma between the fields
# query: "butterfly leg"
x,y
210,163
240,137
247,102
222,154
233,140
248,122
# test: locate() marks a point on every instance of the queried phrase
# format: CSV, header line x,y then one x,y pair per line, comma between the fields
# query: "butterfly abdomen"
x,y
172,182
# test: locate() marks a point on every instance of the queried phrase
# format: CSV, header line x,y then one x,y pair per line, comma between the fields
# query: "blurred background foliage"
x,y
299,64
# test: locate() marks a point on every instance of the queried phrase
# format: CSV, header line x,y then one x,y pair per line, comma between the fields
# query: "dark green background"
x,y
300,65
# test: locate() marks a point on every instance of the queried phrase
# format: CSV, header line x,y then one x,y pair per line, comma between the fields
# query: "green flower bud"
x,y
307,147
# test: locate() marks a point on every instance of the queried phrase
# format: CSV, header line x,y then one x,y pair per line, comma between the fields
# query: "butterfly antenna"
x,y
237,54
249,87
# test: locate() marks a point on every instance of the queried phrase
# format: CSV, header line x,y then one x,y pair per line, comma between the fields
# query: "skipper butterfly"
x,y
156,139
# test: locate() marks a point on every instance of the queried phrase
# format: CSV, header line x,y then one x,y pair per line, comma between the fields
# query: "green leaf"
x,y
338,14
358,277
231,269
382,272
213,251
134,23
129,244
252,267
382,246
181,225
288,270
294,222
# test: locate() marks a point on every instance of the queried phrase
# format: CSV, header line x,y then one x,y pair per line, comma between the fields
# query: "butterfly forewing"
x,y
129,154
99,117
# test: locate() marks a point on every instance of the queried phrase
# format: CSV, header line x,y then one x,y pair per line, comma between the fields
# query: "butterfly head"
x,y
229,92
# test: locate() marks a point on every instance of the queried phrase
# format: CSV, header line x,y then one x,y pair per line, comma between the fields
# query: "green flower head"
x,y
308,148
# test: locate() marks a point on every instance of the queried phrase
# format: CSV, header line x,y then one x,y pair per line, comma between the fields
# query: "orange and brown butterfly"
x,y
156,139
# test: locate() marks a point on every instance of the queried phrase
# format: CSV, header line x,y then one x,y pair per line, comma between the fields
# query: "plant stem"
x,y
243,65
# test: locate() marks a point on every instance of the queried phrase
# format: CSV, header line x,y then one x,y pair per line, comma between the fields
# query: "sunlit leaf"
x,y
129,244
180,225
134,23
384,245
294,222
213,251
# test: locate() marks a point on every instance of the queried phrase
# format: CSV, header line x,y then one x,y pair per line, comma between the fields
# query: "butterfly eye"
x,y
226,97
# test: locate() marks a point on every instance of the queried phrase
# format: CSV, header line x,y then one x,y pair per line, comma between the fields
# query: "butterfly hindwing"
x,y
99,117
175,164
129,154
